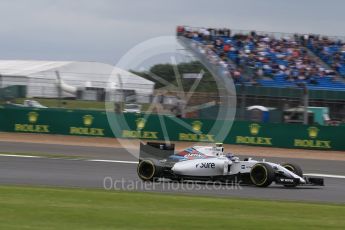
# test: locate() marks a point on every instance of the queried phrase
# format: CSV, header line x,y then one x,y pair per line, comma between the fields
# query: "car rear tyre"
x,y
147,170
262,175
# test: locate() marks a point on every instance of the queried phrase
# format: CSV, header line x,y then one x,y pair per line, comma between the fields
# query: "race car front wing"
x,y
311,181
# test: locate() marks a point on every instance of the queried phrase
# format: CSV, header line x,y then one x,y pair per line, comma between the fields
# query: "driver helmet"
x,y
230,156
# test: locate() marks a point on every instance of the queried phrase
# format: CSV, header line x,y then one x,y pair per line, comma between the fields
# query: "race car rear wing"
x,y
156,150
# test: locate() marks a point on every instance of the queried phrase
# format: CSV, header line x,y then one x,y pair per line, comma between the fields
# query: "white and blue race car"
x,y
210,163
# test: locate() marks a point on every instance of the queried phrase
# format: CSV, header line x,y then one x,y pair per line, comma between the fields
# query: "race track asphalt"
x,y
120,174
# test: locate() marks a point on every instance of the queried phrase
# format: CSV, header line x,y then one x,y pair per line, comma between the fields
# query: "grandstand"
x,y
267,59
276,70
330,50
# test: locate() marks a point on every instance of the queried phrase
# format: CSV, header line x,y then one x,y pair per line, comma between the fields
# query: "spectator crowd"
x,y
268,60
331,51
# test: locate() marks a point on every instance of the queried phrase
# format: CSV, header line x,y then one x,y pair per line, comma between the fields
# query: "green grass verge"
x,y
68,104
57,208
73,104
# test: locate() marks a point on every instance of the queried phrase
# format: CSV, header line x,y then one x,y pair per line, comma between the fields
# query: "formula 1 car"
x,y
210,163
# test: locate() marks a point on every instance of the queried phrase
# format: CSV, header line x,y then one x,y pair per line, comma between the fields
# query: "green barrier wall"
x,y
290,92
65,122
94,123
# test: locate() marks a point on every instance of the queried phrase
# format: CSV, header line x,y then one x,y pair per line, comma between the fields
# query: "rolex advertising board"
x,y
55,121
154,127
33,124
287,135
139,126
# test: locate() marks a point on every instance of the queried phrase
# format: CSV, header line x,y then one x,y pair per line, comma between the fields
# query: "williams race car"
x,y
210,163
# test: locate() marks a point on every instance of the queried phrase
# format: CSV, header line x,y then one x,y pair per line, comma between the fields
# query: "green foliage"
x,y
171,73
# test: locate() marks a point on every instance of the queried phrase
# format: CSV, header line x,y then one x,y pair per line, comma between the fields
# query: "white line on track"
x,y
66,158
135,162
113,161
324,175
20,156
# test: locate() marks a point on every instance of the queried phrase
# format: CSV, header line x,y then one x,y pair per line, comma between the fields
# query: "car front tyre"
x,y
296,169
262,175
